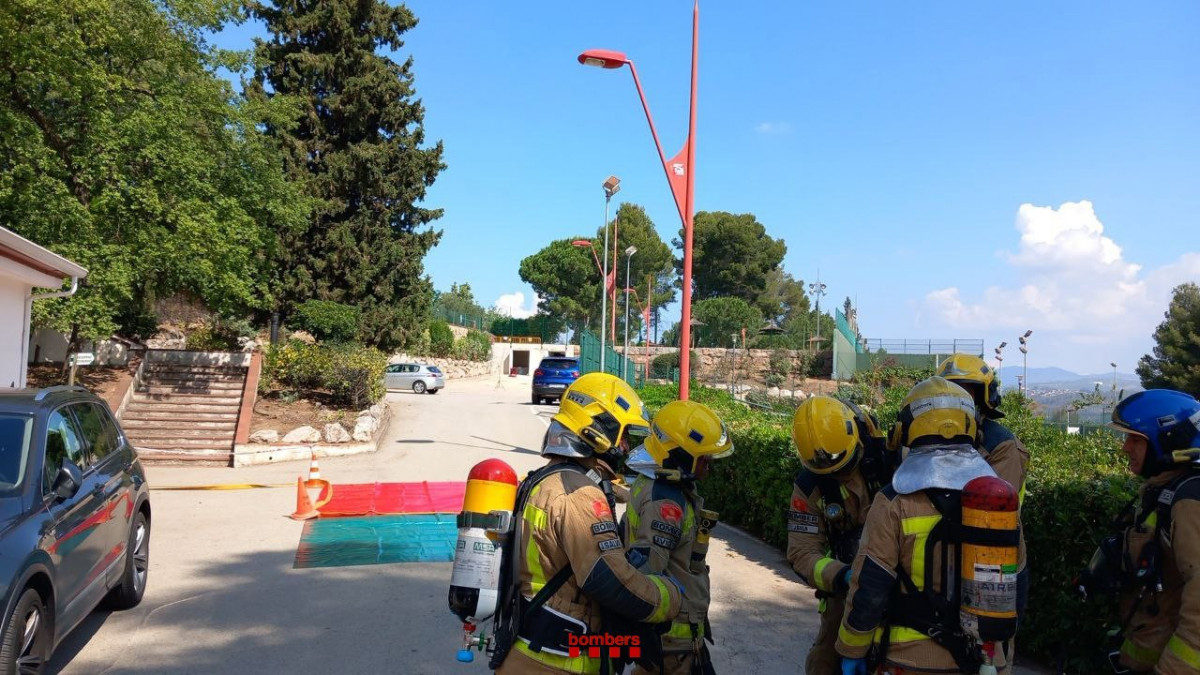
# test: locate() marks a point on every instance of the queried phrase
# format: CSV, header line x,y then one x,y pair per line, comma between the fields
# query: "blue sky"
x,y
961,169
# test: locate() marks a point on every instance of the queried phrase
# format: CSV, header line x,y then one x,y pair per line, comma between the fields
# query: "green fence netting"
x,y
614,363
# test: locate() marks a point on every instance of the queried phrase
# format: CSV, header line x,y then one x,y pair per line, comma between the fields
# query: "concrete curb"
x,y
251,454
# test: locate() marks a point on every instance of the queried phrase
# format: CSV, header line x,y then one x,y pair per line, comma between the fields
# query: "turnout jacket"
x,y
811,551
568,521
662,521
895,537
1163,632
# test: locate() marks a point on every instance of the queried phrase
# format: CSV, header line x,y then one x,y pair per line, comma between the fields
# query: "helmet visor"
x,y
823,461
560,440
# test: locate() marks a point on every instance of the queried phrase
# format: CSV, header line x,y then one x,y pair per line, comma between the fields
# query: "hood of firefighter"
x,y
641,462
941,466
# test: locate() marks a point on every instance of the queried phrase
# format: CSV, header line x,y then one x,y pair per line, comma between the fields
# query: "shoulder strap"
x,y
507,619
1167,498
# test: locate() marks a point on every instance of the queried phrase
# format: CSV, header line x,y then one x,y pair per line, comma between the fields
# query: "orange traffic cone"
x,y
304,506
314,472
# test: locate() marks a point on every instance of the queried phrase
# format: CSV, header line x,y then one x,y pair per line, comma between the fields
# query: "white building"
x,y
25,266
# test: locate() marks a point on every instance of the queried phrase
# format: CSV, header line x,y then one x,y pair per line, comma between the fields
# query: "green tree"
x,y
731,256
653,259
328,321
783,297
459,304
1175,363
723,320
565,279
122,150
357,144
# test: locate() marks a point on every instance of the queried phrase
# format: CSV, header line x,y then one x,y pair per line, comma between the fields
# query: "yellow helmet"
x,y
826,434
683,433
971,372
935,411
598,410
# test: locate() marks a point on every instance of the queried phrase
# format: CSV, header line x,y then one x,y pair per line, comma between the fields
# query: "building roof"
x,y
48,268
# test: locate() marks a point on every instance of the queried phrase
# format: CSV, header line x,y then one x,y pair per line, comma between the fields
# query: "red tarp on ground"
x,y
363,499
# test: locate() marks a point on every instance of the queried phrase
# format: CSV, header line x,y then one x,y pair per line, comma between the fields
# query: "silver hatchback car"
x,y
418,377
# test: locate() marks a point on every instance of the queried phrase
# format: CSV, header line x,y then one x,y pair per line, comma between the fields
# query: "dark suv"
x,y
553,375
74,519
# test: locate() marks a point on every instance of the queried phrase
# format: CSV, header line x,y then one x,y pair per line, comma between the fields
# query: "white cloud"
x,y
773,128
515,302
1074,282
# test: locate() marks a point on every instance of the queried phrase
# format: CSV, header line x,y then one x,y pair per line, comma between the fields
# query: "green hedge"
x,y
474,346
350,375
1076,484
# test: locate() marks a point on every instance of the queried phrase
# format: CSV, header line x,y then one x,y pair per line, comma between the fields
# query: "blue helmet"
x,y
1170,423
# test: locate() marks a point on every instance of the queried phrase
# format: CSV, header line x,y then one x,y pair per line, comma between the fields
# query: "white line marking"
x,y
536,412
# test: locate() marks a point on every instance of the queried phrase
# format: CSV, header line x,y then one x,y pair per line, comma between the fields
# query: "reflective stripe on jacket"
x,y
567,520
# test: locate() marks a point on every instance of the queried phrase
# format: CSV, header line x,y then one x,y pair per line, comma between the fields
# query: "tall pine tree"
x,y
356,145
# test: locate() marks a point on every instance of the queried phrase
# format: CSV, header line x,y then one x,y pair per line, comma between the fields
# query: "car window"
x,y
14,449
62,442
433,369
559,364
394,368
411,368
98,430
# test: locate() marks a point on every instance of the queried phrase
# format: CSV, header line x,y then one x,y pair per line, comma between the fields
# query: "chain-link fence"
x,y
475,321
614,362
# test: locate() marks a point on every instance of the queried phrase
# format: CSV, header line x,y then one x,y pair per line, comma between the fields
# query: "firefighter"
x,y
901,570
667,527
845,463
567,567
1001,448
1158,553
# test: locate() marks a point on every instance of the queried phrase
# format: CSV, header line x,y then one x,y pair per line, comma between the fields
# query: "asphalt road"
x,y
223,596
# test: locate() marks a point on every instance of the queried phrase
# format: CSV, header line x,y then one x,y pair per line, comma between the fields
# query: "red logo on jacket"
x,y
799,504
600,508
671,512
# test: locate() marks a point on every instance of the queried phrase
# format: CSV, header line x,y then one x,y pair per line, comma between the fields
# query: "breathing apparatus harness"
x,y
513,609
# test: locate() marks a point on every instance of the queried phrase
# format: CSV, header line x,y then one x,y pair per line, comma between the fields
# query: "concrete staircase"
x,y
185,411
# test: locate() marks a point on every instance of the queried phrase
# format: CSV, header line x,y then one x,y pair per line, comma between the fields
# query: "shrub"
x,y
474,346
663,366
221,335
351,375
441,338
356,376
327,320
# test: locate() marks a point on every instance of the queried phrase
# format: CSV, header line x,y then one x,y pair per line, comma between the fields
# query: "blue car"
x,y
553,375
74,519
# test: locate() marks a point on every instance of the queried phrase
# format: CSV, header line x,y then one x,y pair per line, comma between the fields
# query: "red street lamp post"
x,y
681,178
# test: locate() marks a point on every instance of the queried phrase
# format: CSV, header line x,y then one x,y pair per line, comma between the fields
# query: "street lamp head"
x,y
1113,365
582,243
612,186
603,58
631,250
1003,345
1024,350
1028,333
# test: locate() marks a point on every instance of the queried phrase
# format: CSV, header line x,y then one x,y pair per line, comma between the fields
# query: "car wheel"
x,y
25,647
535,399
129,592
418,387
